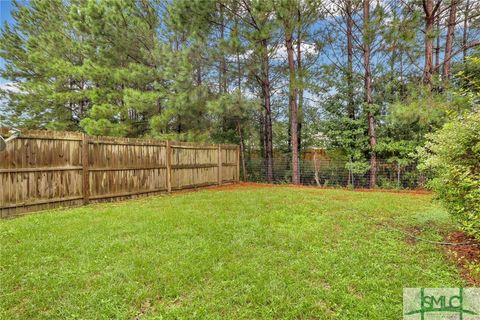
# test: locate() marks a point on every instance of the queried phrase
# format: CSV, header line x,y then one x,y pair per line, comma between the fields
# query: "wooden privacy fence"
x,y
47,169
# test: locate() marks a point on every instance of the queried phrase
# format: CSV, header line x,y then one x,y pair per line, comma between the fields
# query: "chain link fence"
x,y
338,173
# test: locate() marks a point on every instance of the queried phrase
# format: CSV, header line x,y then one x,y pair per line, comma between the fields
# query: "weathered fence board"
x,y
45,169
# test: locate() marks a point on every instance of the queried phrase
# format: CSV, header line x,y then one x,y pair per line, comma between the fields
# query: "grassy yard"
x,y
240,253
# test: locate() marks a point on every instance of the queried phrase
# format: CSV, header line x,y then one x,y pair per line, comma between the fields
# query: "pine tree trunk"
x,y
465,31
437,46
263,145
199,75
242,152
368,93
299,86
351,103
429,24
268,113
393,62
239,75
222,78
293,106
268,135
240,128
402,86
449,41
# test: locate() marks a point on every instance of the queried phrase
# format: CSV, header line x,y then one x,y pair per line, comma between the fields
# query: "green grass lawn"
x,y
245,253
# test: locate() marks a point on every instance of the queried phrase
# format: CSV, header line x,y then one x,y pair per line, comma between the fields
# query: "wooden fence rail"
x,y
48,169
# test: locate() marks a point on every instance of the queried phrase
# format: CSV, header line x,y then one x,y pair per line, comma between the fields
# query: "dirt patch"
x,y
252,185
176,303
242,185
146,306
465,256
353,291
415,232
413,192
322,283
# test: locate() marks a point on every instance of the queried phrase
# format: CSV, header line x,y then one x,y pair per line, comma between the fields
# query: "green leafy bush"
x,y
452,156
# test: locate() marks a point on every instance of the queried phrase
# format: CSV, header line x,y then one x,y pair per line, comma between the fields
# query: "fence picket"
x,y
46,169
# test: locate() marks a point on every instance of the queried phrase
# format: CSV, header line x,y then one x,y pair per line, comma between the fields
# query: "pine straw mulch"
x,y
255,185
465,257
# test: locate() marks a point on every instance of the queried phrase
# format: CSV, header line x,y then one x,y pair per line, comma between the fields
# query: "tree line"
x,y
368,79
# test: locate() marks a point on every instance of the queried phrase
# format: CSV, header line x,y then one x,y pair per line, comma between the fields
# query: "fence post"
x,y
238,164
168,160
86,174
219,164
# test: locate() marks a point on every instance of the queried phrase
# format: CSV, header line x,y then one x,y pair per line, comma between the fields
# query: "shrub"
x,y
452,156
